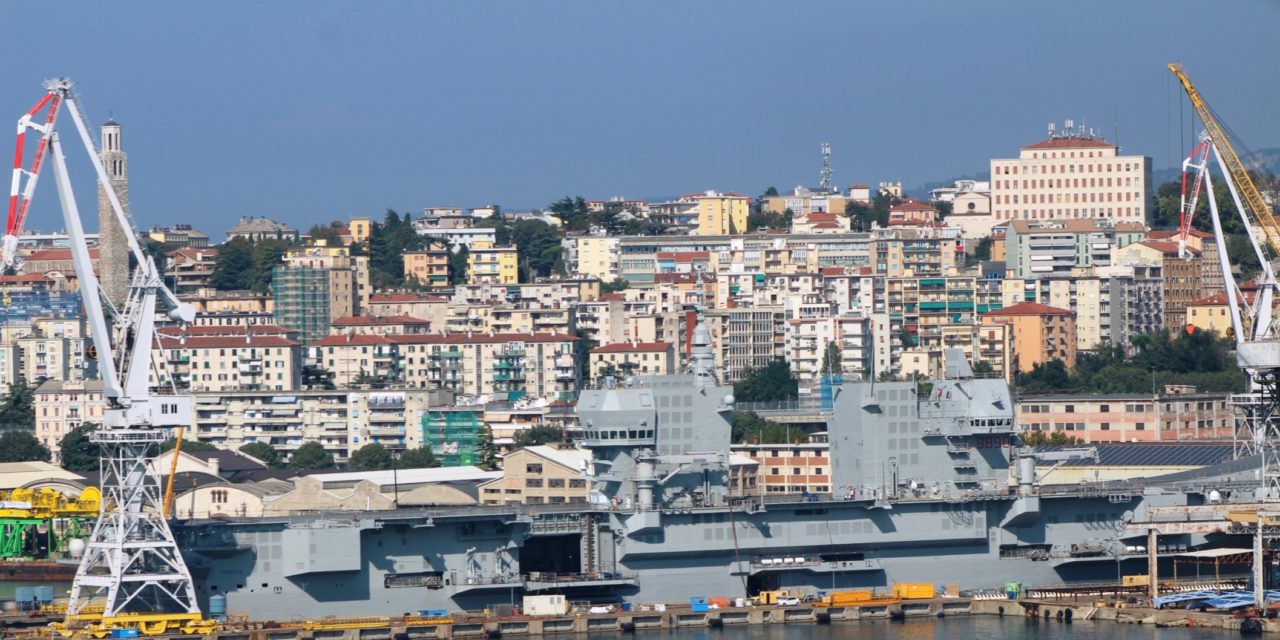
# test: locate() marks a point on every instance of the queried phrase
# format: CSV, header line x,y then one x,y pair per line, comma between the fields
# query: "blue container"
x,y
434,613
218,606
626,606
124,633
44,594
25,595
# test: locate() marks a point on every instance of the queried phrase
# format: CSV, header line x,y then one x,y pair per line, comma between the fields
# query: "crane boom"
x,y
1234,167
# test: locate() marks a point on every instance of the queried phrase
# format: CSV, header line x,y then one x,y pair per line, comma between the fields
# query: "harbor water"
x,y
958,628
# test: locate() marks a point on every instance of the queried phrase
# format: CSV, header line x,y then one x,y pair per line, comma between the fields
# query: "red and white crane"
x,y
23,183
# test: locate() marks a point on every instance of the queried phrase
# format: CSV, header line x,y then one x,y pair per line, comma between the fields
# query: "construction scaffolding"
x,y
454,435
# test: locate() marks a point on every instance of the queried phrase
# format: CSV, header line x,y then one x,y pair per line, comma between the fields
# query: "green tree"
x,y
265,256
861,216
371,457
768,383
20,445
1045,376
488,451
315,376
944,208
537,248
540,434
328,233
78,453
420,458
831,360
264,452
983,369
458,259
389,240
982,251
19,405
311,457
618,284
189,446
232,266
748,427
1046,439
572,212
1241,253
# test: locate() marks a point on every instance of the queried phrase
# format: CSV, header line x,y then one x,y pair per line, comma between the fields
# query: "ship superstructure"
x,y
928,487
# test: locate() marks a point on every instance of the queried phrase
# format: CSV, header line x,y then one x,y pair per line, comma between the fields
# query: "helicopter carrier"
x,y
928,486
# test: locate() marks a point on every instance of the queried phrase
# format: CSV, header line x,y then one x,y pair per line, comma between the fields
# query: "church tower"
x,y
113,246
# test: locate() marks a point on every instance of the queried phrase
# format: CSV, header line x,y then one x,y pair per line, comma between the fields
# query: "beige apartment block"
x,y
244,360
429,267
790,468
1040,333
1071,176
62,406
1130,417
540,475
721,213
633,358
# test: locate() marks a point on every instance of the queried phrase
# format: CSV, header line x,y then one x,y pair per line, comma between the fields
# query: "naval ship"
x,y
928,485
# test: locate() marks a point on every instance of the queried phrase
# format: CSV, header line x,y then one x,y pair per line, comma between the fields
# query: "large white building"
x,y
1071,175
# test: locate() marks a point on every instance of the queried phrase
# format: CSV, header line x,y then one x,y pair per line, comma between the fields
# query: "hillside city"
x,y
460,337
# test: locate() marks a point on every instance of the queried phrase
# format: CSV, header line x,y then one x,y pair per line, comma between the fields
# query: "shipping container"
x,y
913,591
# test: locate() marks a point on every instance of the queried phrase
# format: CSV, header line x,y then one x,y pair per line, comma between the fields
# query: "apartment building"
x,y
179,236
633,358
61,406
1181,277
1176,414
595,257
559,292
721,213
357,359
1071,175
342,420
428,267
381,325
235,358
206,300
1040,333
1040,248
803,201
803,468
503,366
489,264
540,475
190,269
416,305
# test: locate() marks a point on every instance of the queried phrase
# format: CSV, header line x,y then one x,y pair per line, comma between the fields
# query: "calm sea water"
x,y
959,628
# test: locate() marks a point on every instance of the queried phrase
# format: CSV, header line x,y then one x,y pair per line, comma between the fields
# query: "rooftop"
x,y
1029,309
633,347
377,320
407,476
1071,143
1156,455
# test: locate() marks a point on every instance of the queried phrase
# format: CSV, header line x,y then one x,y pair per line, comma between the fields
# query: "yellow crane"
x,y
1252,198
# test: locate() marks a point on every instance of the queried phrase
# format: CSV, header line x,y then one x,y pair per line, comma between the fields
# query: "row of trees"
x,y
1197,358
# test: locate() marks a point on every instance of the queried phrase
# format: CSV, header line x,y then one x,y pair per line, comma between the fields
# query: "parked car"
x,y
788,601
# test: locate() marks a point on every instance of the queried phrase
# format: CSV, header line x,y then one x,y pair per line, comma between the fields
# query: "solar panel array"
x,y
1156,455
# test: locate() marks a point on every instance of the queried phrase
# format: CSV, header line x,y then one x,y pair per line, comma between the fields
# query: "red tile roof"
x,y
56,254
859,186
1174,233
405,297
612,296
822,216
479,337
825,225
909,204
684,256
1029,309
1167,248
351,340
226,331
1220,299
634,347
24,278
1071,143
223,342
377,320
207,253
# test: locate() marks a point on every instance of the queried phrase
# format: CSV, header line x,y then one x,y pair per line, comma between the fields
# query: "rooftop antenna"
x,y
826,168
1052,128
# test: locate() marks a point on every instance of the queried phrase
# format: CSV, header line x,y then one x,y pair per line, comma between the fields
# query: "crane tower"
x,y
131,559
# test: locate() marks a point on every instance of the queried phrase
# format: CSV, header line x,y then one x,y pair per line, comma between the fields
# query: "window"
x,y
533,468
555,483
533,482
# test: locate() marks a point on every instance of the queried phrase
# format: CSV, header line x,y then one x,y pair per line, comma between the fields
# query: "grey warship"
x,y
928,486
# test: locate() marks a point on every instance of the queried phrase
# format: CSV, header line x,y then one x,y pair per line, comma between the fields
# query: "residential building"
x,y
455,434
254,228
348,282
721,213
211,301
381,325
233,358
360,229
1174,415
190,268
1038,248
502,366
357,359
429,307
790,468
595,257
302,296
1040,333
340,420
633,358
1071,175
540,475
61,406
56,263
488,264
803,201
1181,277
179,236
911,212
429,267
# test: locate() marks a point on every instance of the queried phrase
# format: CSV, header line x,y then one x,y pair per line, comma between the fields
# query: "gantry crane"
x,y
131,557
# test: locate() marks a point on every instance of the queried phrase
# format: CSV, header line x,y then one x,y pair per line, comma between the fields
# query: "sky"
x,y
312,111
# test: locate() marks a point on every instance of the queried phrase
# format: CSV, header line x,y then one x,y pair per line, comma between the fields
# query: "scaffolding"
x,y
454,435
302,301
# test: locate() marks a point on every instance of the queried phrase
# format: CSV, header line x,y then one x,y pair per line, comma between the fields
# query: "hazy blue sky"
x,y
309,111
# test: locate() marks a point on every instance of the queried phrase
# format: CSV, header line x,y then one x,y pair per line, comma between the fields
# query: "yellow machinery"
x,y
48,503
146,624
1239,175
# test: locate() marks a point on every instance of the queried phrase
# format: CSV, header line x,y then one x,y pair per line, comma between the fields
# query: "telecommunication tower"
x,y
825,177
